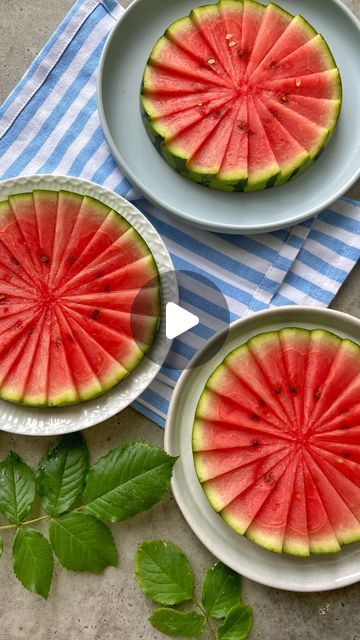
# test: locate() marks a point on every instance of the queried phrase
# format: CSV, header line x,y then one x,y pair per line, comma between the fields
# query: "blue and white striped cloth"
x,y
49,123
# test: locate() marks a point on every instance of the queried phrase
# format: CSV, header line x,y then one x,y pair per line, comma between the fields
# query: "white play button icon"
x,y
178,320
192,310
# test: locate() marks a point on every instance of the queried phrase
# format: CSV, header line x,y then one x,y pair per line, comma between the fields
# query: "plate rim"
x,y
180,215
181,499
144,374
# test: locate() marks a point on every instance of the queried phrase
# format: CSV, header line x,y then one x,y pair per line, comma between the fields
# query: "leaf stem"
x,y
80,508
211,629
37,519
26,522
8,526
21,524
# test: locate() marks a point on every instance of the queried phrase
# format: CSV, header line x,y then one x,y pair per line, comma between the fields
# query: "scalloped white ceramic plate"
x,y
42,421
121,70
317,573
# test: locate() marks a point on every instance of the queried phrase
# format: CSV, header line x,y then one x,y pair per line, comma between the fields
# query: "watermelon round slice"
x,y
79,298
239,96
276,441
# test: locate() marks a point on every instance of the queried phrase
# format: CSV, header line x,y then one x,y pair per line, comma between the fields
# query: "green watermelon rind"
x,y
281,10
71,398
295,548
300,550
62,400
322,547
179,164
77,198
293,170
68,398
237,183
108,383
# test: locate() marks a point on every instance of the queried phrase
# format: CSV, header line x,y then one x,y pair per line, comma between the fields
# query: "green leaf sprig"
x,y
76,499
164,574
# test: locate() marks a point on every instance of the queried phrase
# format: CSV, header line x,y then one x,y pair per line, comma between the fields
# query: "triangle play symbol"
x,y
178,320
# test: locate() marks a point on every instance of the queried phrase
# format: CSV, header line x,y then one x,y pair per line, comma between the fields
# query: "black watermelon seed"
x,y
14,261
268,478
317,395
254,417
95,314
277,390
106,289
255,443
243,53
45,259
293,389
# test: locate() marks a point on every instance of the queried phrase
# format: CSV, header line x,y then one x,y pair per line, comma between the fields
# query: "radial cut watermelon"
x,y
76,283
239,96
276,441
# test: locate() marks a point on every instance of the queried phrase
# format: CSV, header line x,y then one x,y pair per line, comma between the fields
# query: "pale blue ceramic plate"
x,y
119,81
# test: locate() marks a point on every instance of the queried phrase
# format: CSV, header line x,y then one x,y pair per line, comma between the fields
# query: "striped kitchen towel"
x,y
49,123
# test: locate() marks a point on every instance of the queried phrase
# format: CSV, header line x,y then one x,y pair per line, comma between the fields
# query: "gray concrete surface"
x,y
110,606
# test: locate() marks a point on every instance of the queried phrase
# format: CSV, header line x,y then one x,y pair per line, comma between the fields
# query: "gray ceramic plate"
x,y
119,81
317,573
33,421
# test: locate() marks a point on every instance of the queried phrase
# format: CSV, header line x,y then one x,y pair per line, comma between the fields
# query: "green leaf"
x,y
163,572
175,623
238,623
82,543
61,476
17,488
221,590
33,561
128,480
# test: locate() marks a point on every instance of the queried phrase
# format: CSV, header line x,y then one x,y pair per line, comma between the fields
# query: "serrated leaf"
x,y
33,561
175,623
127,481
17,488
221,590
61,476
163,572
237,624
82,543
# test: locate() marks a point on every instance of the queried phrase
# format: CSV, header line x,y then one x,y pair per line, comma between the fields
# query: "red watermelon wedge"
x,y
79,298
276,441
240,97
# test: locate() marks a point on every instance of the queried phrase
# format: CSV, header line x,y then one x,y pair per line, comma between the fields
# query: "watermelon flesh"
x,y
241,97
276,441
79,298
